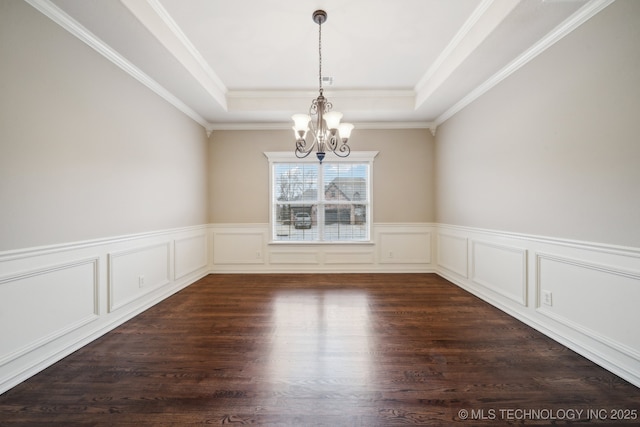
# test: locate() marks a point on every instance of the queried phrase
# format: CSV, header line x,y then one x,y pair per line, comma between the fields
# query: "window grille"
x,y
313,202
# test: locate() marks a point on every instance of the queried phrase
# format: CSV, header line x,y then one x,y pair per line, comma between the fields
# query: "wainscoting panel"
x,y
55,299
404,247
190,255
41,305
240,248
584,295
349,256
301,256
136,272
233,246
501,269
452,253
580,291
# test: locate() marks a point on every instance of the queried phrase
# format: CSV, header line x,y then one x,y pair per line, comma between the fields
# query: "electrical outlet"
x,y
390,254
547,298
140,281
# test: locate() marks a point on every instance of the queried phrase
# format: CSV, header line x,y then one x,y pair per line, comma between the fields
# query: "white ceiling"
x,y
253,63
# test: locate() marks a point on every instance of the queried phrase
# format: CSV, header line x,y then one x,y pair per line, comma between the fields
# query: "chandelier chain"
x,y
320,55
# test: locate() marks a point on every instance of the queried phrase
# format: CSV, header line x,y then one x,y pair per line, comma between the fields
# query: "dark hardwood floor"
x,y
322,350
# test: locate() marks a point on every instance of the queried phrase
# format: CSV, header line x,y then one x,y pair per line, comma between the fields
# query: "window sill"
x,y
321,243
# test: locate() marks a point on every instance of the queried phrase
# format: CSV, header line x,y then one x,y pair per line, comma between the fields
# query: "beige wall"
x,y
553,150
403,174
85,150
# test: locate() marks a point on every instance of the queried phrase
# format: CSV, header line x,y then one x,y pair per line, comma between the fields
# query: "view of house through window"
x,y
320,202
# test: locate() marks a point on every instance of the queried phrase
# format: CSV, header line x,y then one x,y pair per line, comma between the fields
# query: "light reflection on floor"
x,y
322,343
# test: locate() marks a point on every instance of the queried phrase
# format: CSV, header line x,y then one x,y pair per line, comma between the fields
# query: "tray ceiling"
x,y
252,63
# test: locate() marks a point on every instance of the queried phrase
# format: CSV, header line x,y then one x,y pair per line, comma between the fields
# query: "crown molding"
x,y
350,99
480,25
287,126
585,13
338,93
159,22
58,16
453,44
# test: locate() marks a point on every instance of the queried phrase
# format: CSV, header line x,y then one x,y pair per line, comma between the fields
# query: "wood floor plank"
x,y
322,350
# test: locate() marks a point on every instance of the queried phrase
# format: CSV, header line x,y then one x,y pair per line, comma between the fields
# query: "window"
x,y
314,202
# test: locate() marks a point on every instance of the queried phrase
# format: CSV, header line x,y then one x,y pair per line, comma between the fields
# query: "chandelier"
x,y
327,133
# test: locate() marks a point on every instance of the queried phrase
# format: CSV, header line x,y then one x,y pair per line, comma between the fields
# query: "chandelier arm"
x,y
332,143
303,147
302,150
302,154
343,151
314,123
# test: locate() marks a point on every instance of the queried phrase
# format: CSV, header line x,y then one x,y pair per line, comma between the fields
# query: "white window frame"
x,y
275,157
